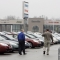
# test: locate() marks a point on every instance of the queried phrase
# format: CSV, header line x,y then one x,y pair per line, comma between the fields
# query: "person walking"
x,y
21,40
47,40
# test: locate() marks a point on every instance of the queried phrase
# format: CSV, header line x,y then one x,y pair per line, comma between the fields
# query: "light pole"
x,y
25,14
25,25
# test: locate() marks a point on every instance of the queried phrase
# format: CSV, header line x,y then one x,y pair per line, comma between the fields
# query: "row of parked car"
x,y
9,42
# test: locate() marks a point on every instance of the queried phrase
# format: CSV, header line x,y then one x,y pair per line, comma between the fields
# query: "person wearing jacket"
x,y
21,40
47,40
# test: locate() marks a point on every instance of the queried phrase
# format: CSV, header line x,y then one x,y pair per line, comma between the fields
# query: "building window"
x,y
35,29
17,27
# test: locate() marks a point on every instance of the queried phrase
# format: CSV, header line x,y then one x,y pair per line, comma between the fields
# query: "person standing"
x,y
47,40
21,40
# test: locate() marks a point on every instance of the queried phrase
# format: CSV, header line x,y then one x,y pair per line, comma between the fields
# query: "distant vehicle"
x,y
57,37
38,33
37,36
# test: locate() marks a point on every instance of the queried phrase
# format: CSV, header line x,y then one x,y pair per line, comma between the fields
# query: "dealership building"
x,y
33,24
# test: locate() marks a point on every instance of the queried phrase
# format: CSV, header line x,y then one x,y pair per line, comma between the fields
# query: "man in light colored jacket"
x,y
47,40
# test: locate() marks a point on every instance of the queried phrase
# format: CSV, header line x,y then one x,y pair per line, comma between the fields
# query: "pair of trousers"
x,y
46,45
21,46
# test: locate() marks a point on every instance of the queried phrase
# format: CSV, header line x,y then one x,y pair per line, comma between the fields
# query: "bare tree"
x,y
11,17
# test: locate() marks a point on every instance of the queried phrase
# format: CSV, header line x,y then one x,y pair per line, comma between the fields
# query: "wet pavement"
x,y
33,54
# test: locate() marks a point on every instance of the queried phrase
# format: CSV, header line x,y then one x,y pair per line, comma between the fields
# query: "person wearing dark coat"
x,y
21,40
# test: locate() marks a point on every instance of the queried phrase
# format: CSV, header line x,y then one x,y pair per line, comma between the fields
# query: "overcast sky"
x,y
49,8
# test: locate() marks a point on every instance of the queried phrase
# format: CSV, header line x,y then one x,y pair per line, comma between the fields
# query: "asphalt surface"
x,y
33,54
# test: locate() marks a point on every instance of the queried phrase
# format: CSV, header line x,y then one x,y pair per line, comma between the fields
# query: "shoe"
x,y
25,53
20,54
47,54
43,52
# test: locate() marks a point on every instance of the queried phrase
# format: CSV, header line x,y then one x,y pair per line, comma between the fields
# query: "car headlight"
x,y
3,44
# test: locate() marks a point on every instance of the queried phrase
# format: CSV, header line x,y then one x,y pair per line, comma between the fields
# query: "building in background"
x,y
34,25
52,25
11,25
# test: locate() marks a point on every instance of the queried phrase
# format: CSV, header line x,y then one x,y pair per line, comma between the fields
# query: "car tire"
x,y
31,45
1,52
12,51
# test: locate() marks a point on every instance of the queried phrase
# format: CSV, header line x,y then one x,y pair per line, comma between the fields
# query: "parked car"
x,y
7,37
33,42
13,41
12,34
4,47
38,33
57,37
37,36
13,44
27,44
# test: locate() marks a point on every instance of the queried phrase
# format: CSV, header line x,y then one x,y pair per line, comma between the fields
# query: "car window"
x,y
4,37
9,37
55,35
1,38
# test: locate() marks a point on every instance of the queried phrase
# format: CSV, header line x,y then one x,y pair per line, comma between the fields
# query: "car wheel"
x,y
1,52
12,51
31,45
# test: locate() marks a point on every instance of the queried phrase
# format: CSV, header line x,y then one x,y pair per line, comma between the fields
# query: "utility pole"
x,y
53,24
25,14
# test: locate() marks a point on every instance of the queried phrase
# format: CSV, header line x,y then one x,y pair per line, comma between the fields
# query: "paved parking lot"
x,y
33,54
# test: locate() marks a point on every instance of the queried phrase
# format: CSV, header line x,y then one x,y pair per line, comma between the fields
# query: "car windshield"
x,y
9,37
30,36
33,35
1,38
55,35
38,35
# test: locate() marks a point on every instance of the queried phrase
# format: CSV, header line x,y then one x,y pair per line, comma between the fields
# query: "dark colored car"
x,y
38,38
33,42
4,47
13,44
